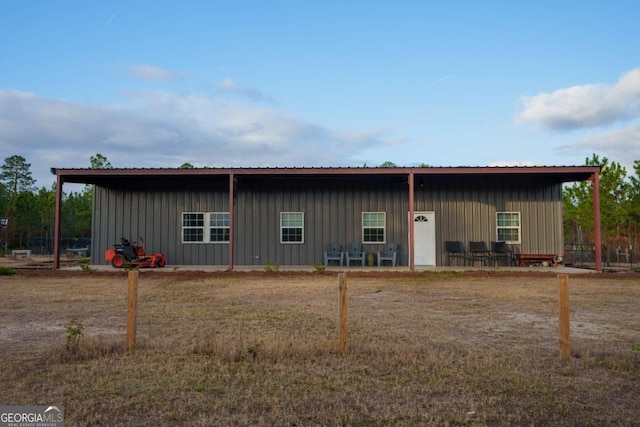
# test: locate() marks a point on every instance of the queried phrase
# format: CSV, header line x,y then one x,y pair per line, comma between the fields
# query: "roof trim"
x,y
566,173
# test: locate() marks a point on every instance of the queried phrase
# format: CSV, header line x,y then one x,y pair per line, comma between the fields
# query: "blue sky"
x,y
331,83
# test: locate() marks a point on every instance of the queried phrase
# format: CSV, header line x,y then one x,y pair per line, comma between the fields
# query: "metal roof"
x,y
97,176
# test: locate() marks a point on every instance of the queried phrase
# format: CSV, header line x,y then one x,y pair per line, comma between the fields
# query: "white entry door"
x,y
424,229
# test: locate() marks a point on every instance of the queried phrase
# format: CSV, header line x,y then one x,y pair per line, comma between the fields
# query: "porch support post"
x,y
231,219
411,223
597,231
57,223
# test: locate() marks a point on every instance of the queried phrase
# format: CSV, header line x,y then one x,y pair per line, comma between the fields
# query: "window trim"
x,y
184,227
383,227
206,229
282,228
221,227
510,227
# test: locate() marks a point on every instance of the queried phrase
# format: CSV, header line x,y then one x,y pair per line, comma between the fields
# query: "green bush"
x,y
85,266
272,268
74,334
7,271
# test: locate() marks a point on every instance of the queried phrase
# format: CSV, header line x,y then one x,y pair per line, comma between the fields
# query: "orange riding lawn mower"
x,y
129,254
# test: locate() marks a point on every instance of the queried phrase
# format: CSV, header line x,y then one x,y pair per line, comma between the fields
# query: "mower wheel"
x,y
118,261
161,262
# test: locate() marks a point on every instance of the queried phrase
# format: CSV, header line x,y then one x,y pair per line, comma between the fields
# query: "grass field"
x,y
446,349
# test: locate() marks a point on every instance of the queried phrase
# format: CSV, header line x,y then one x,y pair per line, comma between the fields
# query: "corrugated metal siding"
x,y
465,209
332,213
156,216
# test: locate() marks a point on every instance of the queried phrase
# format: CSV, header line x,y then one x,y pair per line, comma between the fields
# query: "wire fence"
x,y
44,245
583,255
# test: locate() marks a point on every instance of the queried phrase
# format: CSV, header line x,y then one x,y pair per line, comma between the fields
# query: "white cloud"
x,y
159,129
150,72
229,86
622,145
585,106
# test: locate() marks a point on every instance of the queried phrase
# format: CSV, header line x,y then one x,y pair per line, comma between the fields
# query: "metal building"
x,y
251,216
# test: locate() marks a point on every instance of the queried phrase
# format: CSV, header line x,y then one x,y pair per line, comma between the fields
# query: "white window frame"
x,y
517,227
284,226
225,218
206,227
192,227
370,227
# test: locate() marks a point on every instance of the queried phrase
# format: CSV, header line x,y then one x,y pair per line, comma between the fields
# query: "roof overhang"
x,y
104,176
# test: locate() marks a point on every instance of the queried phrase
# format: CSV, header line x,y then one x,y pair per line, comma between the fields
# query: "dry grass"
x,y
261,349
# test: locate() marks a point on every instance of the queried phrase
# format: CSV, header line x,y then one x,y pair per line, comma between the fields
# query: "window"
x,y
291,227
216,230
373,227
219,227
508,226
192,227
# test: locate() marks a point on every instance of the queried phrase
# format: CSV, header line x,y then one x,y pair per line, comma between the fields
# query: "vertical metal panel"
x,y
465,209
332,213
156,215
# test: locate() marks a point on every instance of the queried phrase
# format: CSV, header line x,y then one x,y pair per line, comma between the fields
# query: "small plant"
x,y
253,351
7,271
84,265
74,334
636,347
272,268
320,268
131,267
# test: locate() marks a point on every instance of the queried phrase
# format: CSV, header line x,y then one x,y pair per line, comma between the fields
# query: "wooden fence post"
x,y
132,302
342,286
563,316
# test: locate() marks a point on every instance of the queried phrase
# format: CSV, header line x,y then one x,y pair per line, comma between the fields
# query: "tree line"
x,y
619,206
28,211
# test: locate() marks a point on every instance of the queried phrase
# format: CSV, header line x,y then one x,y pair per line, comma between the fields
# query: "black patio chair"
x,y
456,250
502,253
478,251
